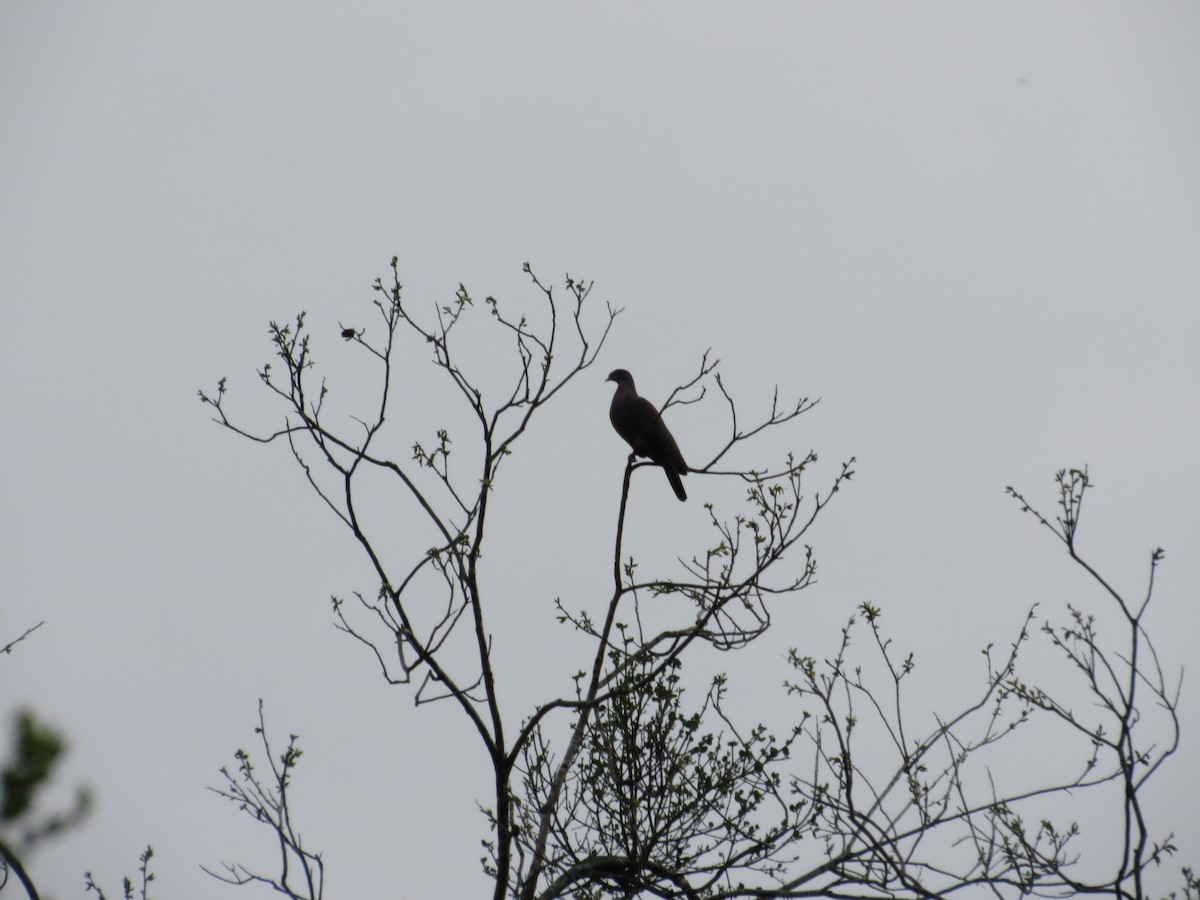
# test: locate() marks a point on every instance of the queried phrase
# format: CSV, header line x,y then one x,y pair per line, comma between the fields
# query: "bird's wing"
x,y
643,418
655,439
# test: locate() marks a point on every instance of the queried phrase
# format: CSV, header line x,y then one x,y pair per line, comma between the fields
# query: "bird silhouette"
x,y
637,420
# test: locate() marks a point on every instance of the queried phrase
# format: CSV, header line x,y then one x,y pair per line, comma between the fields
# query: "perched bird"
x,y
637,420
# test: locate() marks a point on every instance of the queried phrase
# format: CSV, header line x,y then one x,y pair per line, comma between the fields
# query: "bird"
x,y
637,420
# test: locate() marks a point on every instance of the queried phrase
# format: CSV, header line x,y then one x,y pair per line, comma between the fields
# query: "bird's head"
x,y
620,376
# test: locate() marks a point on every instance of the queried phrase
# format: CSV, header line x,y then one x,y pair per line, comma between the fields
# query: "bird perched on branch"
x,y
637,420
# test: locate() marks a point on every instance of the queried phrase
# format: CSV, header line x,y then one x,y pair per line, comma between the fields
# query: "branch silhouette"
x,y
617,787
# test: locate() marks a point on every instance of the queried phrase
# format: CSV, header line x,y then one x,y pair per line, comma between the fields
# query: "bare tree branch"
x,y
862,799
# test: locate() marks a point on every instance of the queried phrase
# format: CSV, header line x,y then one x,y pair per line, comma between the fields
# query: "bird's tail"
x,y
676,484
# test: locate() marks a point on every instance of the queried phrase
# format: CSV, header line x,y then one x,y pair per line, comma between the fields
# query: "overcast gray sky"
x,y
972,229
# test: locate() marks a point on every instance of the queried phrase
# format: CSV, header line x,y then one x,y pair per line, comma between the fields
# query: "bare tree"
x,y
647,798
301,873
131,888
938,818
